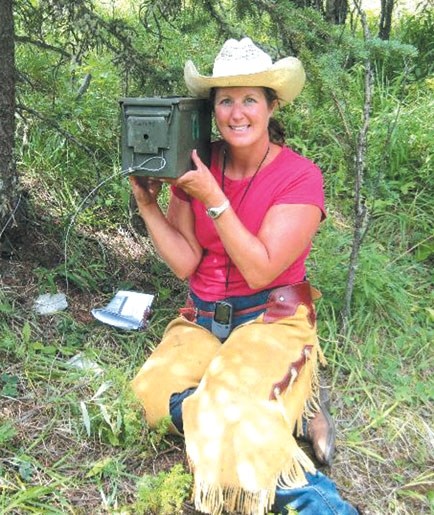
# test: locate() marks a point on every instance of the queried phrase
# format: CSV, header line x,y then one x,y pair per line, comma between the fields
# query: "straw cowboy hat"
x,y
242,63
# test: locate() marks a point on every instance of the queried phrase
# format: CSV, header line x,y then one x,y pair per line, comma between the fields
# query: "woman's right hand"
x,y
145,189
200,183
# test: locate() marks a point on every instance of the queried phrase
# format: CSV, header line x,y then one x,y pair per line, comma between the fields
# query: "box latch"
x,y
147,134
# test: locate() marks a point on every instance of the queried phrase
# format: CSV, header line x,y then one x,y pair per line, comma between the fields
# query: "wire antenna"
x,y
141,167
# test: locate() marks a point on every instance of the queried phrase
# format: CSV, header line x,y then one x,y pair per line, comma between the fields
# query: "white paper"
x,y
127,310
48,303
80,361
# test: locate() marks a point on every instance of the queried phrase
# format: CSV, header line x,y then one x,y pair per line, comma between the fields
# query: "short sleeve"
x,y
305,187
179,193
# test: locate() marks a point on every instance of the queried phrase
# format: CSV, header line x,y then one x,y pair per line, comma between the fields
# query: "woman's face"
x,y
242,115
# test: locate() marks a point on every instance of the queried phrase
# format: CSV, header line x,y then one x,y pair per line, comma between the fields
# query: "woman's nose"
x,y
237,110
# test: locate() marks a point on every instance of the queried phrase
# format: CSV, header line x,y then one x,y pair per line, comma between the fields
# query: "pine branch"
x,y
42,44
225,28
52,123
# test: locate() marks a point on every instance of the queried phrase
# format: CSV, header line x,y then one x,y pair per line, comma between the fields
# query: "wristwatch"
x,y
215,212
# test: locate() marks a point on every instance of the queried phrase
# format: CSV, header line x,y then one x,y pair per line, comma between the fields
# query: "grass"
x,y
74,441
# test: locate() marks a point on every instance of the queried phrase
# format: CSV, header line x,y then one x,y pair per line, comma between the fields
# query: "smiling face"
x,y
242,115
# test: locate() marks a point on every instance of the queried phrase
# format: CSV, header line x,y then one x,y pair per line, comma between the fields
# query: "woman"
x,y
240,231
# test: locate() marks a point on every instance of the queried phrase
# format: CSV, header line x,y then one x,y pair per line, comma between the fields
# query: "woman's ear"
x,y
276,104
273,107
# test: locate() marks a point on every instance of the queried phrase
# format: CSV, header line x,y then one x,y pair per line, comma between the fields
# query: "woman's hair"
x,y
276,132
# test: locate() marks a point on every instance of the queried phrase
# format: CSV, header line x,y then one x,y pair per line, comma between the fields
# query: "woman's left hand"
x,y
201,184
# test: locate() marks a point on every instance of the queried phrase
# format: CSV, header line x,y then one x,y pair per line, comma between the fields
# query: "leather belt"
x,y
282,301
189,311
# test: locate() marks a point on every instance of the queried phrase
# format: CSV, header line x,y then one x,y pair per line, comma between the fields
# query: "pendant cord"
x,y
228,263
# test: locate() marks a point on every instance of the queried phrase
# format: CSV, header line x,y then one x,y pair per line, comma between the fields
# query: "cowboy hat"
x,y
242,63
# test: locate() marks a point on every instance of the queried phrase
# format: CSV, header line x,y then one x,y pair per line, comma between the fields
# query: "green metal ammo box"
x,y
159,133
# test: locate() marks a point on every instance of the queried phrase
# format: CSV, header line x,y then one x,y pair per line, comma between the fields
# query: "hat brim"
x,y
286,77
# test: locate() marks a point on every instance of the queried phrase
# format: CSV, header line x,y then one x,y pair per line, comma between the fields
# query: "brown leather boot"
x,y
321,430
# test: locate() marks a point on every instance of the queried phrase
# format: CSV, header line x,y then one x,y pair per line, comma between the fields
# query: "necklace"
x,y
251,178
228,263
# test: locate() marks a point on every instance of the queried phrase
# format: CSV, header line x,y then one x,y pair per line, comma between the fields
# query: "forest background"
x,y
73,440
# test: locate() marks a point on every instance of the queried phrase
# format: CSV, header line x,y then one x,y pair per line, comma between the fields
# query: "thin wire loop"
x,y
131,169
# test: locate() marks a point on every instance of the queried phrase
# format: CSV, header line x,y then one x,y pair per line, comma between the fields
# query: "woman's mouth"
x,y
239,128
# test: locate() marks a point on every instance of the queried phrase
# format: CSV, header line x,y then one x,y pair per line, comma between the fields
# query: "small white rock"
x,y
49,303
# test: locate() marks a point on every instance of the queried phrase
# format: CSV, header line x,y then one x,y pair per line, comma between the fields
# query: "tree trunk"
x,y
9,198
385,19
315,4
361,214
336,11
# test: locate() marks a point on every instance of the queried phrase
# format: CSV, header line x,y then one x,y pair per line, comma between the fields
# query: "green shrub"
x,y
164,493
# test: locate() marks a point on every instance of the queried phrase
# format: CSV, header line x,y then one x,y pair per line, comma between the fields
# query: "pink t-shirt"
x,y
289,179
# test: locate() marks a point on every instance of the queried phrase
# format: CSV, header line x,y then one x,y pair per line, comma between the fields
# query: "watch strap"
x,y
215,212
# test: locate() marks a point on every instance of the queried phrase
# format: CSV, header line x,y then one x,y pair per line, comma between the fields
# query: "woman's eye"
x,y
225,101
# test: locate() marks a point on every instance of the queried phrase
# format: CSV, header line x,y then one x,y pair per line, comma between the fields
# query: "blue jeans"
x,y
319,496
